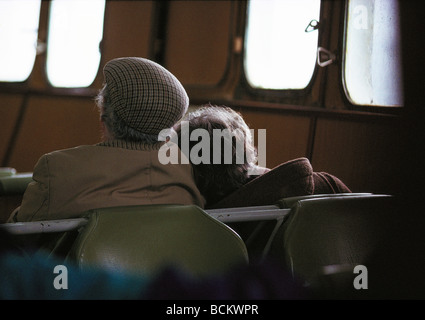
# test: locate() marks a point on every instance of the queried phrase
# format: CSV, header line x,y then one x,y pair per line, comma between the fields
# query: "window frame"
x,y
37,82
343,87
76,89
18,84
289,96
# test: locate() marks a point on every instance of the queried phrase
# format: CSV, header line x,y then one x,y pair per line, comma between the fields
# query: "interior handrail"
x,y
45,226
241,214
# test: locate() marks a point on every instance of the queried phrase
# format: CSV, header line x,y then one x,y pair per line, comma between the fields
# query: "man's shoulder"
x,y
94,152
72,150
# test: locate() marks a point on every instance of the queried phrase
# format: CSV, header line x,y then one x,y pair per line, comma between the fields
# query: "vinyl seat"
x,y
323,238
144,239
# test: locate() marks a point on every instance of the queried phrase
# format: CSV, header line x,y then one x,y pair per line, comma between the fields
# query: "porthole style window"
x,y
18,38
281,43
372,55
74,36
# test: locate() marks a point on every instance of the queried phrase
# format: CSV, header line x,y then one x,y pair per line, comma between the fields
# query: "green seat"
x,y
324,238
289,202
258,235
144,239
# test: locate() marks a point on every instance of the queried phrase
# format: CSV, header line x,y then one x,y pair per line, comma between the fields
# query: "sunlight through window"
x,y
18,38
279,52
75,33
372,69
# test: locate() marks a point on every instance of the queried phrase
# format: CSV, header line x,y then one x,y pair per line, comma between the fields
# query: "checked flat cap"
x,y
145,95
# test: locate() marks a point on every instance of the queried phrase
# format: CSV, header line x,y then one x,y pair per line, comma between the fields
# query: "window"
x,y
18,38
75,32
280,51
372,60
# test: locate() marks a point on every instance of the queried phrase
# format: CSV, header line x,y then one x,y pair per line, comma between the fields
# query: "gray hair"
x,y
115,125
215,181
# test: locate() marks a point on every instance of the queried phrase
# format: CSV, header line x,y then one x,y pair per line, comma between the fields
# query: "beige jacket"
x,y
114,173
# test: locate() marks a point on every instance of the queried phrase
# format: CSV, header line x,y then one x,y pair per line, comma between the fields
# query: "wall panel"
x,y
287,135
10,105
52,123
198,41
365,155
127,31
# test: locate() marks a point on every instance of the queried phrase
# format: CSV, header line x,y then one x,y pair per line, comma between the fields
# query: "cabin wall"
x,y
363,154
198,47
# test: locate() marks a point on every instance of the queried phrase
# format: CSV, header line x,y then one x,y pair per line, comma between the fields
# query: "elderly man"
x,y
139,99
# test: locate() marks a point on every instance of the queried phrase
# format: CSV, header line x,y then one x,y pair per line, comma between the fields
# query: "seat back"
x,y
144,239
331,235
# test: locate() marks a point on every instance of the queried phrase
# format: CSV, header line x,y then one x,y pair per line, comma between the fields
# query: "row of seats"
x,y
319,238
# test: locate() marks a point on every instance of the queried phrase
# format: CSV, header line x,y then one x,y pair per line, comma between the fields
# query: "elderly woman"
x,y
235,165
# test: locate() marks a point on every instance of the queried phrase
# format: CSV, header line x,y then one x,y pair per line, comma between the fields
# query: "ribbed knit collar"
x,y
131,145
